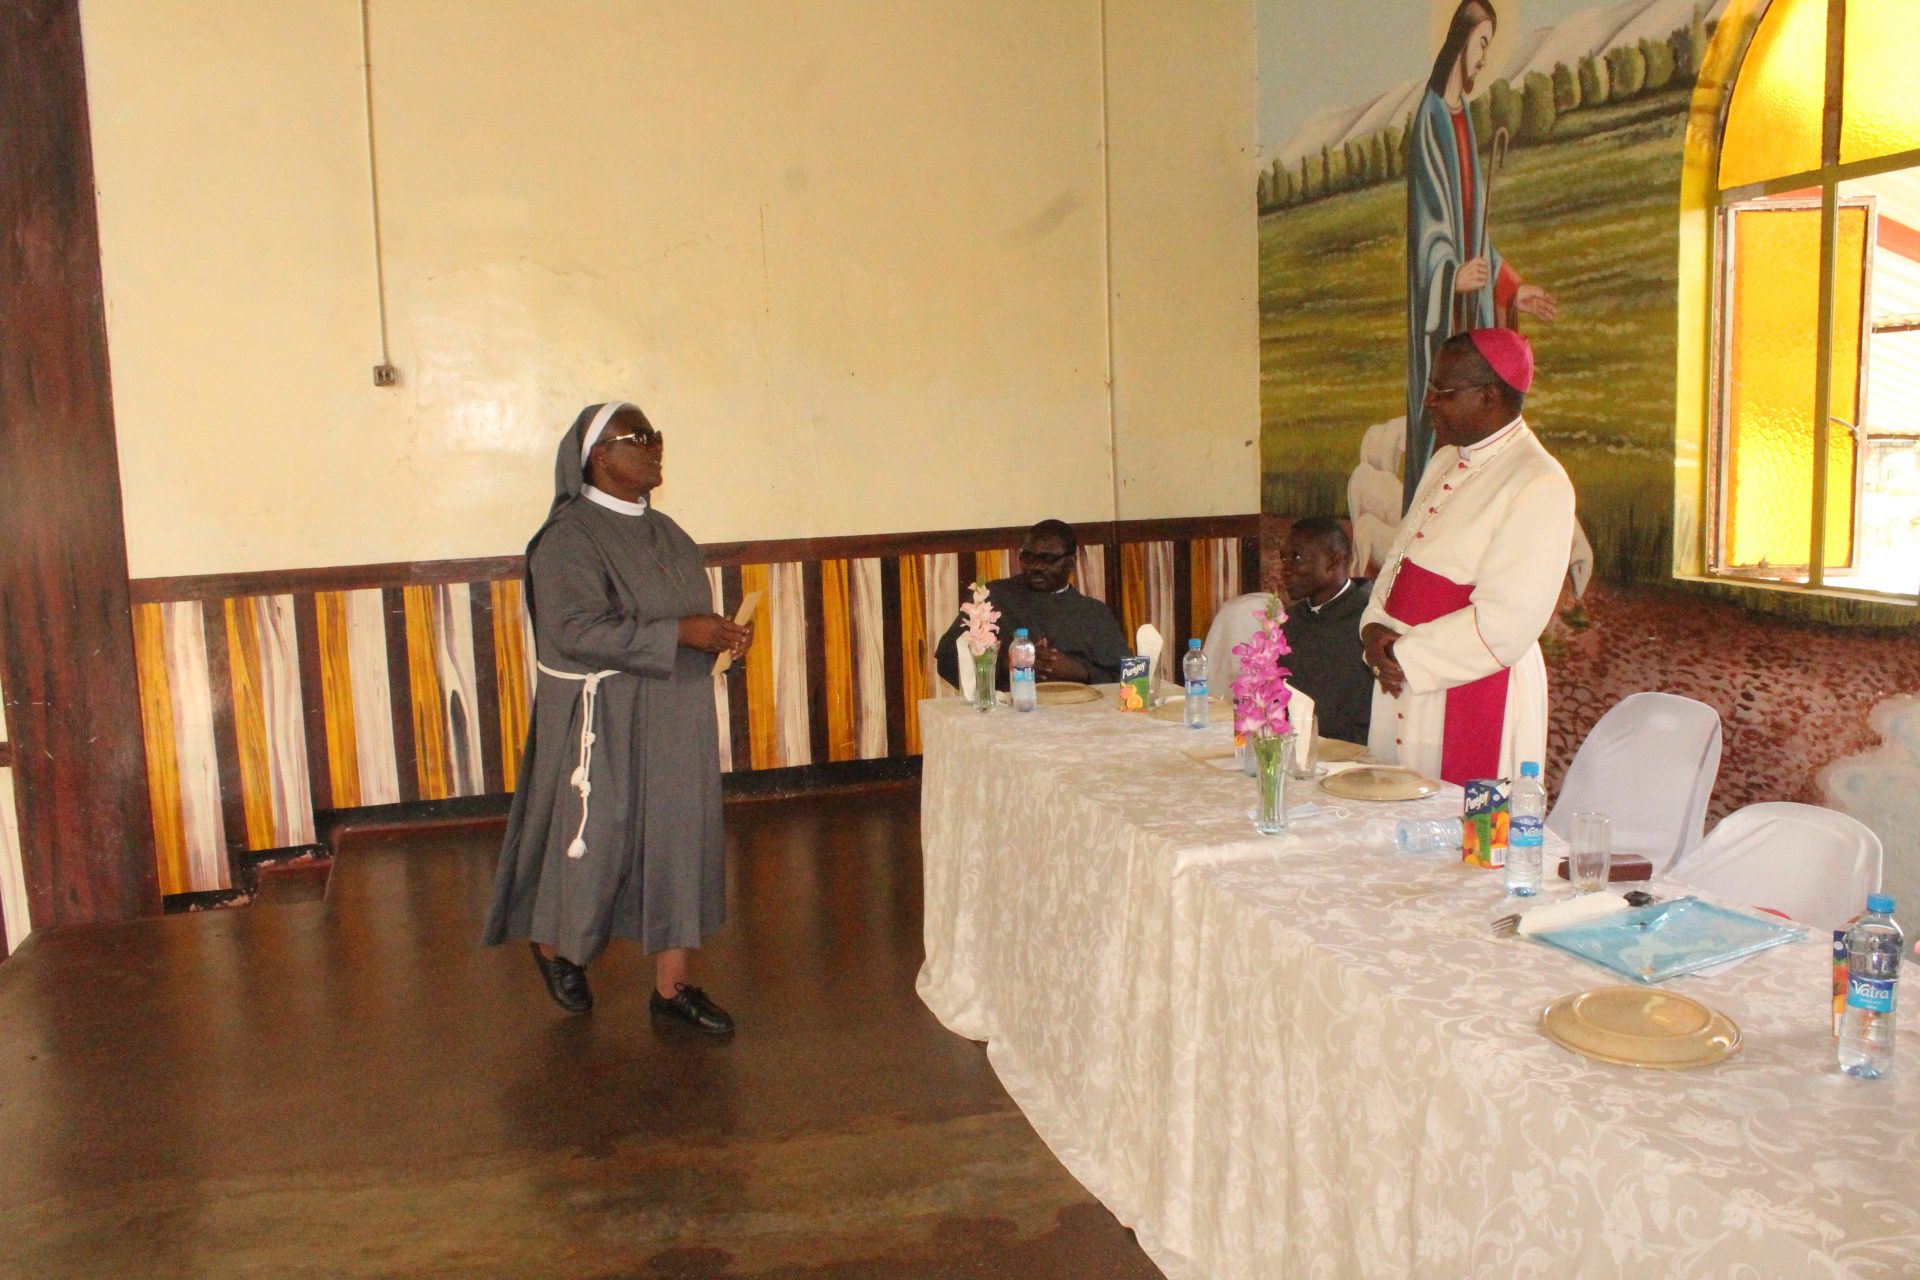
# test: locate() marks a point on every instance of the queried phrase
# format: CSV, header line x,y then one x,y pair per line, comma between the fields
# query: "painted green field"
x,y
1594,220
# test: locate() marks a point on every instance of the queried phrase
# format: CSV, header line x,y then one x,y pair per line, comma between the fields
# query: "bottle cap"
x,y
1531,769
1018,632
1880,902
1193,642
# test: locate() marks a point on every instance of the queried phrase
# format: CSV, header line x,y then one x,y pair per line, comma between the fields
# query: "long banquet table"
x,y
1306,1056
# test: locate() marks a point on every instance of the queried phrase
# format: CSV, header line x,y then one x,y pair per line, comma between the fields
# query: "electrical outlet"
x,y
385,375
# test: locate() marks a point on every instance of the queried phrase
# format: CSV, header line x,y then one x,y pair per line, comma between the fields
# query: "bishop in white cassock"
x,y
1453,625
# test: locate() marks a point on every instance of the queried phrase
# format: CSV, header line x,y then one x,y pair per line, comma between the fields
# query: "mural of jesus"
x,y
1456,279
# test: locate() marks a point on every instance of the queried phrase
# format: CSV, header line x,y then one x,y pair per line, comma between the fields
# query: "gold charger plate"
x,y
1641,1027
1173,709
1337,750
1378,782
1064,693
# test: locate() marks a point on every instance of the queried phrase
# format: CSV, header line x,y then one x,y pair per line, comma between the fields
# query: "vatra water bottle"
x,y
1195,670
1026,695
1873,969
1526,832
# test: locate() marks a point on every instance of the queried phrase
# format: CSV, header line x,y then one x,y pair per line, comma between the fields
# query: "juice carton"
x,y
1134,692
1483,823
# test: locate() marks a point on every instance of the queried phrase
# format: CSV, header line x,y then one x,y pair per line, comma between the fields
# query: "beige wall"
x,y
852,255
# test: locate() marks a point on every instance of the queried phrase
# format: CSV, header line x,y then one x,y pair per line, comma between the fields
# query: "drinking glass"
x,y
1590,851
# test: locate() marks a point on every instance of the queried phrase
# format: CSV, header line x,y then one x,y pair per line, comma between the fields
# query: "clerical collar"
x,y
1468,450
1316,608
611,503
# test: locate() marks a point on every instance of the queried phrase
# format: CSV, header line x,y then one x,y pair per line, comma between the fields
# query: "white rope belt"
x,y
589,699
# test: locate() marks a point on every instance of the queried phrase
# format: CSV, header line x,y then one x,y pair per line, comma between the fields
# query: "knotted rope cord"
x,y
589,699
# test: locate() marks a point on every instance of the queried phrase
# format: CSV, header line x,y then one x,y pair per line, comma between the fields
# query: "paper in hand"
x,y
747,606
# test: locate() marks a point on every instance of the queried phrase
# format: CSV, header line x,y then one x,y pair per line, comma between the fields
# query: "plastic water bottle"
x,y
1026,695
1526,832
1873,967
1427,837
1195,669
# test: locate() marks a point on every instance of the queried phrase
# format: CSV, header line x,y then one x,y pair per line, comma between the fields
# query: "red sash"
x,y
1476,712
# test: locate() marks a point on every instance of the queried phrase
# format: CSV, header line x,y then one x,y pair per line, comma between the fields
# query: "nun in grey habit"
x,y
615,830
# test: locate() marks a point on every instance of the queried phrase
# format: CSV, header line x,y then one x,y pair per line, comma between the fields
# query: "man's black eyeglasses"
x,y
1041,557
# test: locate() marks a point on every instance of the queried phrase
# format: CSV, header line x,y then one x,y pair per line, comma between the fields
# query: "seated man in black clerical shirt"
x,y
1075,637
1323,628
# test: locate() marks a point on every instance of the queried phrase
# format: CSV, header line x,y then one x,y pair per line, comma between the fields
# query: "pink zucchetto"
x,y
1510,354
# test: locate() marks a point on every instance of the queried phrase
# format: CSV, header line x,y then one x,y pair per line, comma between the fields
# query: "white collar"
x,y
1468,450
1316,608
611,503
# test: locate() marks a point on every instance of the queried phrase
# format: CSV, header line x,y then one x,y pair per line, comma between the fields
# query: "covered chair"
x,y
1233,623
1650,765
1814,865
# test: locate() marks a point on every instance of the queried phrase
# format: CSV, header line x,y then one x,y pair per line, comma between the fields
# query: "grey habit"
x,y
606,591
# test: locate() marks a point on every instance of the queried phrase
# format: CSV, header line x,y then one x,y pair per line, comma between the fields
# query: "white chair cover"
x,y
1233,623
963,653
1147,643
1650,765
1815,865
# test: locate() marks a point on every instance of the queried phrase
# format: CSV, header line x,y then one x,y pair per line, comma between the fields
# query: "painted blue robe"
x,y
1437,247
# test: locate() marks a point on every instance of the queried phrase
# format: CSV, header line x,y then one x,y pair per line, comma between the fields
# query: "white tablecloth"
x,y
1306,1056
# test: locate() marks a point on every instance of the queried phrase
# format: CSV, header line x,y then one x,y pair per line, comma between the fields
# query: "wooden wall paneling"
x,y
737,726
399,684
313,702
893,654
214,634
763,737
157,732
1090,570
867,609
1133,588
722,690
377,738
792,710
913,648
427,699
204,800
249,724
1249,564
67,663
332,639
286,721
814,619
511,682
486,676
15,917
834,721
1202,598
943,596
459,673
1181,558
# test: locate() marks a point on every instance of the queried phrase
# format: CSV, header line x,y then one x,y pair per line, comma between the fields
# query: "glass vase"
x,y
1273,759
983,678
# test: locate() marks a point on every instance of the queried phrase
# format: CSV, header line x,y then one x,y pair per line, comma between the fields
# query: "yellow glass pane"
x,y
1849,279
1880,112
1773,122
1773,320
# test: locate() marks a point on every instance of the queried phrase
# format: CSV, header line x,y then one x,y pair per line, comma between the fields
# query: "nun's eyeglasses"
x,y
646,437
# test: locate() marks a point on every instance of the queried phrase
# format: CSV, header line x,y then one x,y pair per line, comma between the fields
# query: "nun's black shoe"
x,y
691,1006
566,981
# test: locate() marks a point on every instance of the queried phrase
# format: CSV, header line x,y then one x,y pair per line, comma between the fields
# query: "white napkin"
x,y
1572,911
1300,716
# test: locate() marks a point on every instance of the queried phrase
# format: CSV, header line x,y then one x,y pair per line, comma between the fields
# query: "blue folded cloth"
x,y
1666,939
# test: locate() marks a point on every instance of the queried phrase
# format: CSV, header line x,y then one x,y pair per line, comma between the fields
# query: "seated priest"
x,y
1328,662
1075,637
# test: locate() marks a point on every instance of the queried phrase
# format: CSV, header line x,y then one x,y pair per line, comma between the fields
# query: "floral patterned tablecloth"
x,y
1307,1056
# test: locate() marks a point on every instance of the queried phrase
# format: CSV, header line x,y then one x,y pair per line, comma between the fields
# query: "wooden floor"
x,y
352,1086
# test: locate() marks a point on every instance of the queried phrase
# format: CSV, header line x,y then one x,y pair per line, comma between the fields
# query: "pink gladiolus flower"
x,y
983,630
1260,693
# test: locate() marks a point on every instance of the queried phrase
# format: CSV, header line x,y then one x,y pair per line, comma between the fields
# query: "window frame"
x,y
1724,202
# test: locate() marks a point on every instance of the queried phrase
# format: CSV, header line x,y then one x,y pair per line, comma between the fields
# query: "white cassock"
x,y
1470,583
